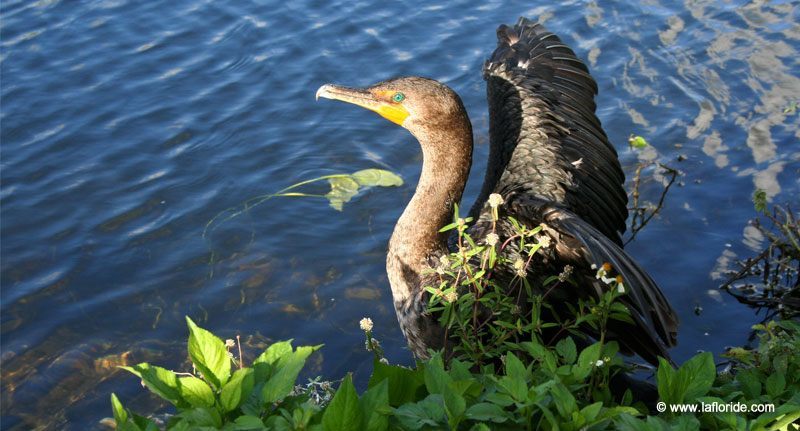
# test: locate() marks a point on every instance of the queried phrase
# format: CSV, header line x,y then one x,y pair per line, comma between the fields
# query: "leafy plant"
x,y
343,187
549,393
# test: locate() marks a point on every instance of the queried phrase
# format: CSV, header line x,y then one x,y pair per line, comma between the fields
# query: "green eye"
x,y
399,97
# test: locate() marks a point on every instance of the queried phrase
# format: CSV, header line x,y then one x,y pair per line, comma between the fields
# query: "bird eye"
x,y
399,97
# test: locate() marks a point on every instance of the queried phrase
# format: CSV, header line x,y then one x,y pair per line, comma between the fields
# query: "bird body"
x,y
551,162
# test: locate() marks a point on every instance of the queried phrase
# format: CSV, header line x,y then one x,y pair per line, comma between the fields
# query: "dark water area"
x,y
126,126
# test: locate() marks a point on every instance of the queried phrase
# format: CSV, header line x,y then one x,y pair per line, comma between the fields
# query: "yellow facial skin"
x,y
379,101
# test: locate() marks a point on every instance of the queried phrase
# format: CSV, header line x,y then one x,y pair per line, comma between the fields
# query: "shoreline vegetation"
x,y
511,371
506,374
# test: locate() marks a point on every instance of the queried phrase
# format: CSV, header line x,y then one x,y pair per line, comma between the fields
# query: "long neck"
x,y
447,156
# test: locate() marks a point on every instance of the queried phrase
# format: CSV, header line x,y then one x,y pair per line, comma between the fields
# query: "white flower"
x,y
384,361
461,222
620,284
365,324
599,363
543,240
566,273
451,296
594,266
495,200
519,266
492,239
229,343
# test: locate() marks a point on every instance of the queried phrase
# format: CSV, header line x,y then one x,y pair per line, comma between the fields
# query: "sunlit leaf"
x,y
237,389
196,392
637,141
343,413
161,381
208,354
120,414
344,187
377,177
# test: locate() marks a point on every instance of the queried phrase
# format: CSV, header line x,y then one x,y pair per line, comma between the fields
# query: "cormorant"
x,y
551,162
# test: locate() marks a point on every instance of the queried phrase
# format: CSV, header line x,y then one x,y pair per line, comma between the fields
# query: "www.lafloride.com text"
x,y
717,407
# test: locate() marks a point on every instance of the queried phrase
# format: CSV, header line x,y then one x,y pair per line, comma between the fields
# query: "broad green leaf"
x,y
775,385
209,355
567,350
374,404
428,412
202,417
282,381
637,141
750,384
564,400
591,411
403,382
436,378
195,391
343,412
237,389
377,177
587,360
120,414
161,381
342,190
275,352
344,187
515,369
699,372
486,412
665,377
248,422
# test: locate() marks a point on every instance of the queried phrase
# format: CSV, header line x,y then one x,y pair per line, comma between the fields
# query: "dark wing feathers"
x,y
553,164
541,105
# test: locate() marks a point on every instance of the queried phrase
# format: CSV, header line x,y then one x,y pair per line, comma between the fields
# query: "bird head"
x,y
417,104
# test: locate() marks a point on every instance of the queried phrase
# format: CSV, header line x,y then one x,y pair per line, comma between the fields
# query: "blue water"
x,y
127,125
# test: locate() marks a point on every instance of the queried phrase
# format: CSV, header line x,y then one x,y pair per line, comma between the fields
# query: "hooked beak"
x,y
374,101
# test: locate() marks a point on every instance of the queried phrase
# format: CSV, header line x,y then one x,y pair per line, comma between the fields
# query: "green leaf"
x,y
275,352
160,381
515,369
342,190
665,377
237,389
248,422
202,417
288,368
586,361
699,372
403,382
120,414
374,404
377,177
760,201
428,412
775,385
344,187
564,400
637,141
750,383
567,350
195,391
209,355
343,413
436,378
486,412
